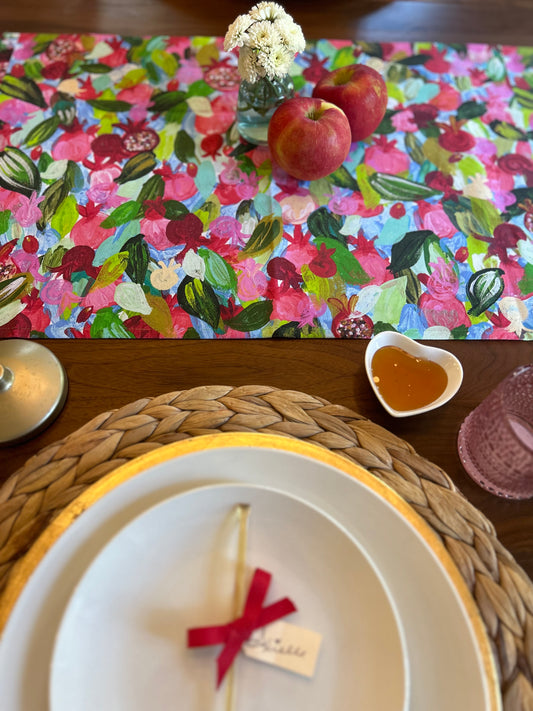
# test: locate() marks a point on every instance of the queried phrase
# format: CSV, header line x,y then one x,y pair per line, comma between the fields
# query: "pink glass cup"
x,y
496,439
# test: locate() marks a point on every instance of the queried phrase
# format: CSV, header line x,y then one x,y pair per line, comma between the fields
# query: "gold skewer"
x,y
242,513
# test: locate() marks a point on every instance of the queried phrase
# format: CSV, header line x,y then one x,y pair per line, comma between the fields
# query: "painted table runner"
x,y
130,208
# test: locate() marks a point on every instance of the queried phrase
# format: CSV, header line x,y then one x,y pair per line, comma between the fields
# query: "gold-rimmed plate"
x,y
122,639
450,660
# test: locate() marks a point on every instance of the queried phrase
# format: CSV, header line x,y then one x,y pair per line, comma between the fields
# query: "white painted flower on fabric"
x,y
131,297
193,265
267,38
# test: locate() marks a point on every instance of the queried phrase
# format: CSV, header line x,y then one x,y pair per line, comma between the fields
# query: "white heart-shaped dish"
x,y
446,360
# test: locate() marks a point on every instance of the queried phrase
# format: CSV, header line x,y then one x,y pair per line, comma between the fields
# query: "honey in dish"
x,y
405,381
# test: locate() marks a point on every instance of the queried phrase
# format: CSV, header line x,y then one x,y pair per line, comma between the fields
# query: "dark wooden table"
x,y
104,375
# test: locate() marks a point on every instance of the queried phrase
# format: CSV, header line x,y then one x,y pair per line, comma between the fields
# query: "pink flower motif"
x,y
252,282
404,121
100,298
384,157
259,155
342,204
155,233
223,115
179,186
437,63
140,96
189,71
103,188
433,217
295,209
58,292
14,111
500,182
72,145
25,210
440,305
300,250
296,306
228,229
244,186
88,230
398,50
28,263
369,258
448,98
118,55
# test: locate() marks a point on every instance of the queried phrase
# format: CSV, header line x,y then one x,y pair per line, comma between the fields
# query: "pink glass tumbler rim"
x,y
522,486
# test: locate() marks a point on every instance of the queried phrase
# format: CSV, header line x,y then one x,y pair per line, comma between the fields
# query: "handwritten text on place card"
x,y
287,646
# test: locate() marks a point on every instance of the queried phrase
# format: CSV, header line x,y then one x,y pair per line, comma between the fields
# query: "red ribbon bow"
x,y
234,634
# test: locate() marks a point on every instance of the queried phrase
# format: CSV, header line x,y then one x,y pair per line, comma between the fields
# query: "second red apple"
x,y
360,92
309,138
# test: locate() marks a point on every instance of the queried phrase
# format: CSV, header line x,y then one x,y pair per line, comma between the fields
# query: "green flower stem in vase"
x,y
256,104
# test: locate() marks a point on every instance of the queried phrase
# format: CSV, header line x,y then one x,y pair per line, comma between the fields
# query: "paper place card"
x,y
287,646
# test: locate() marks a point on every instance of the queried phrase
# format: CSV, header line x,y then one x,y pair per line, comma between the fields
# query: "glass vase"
x,y
256,103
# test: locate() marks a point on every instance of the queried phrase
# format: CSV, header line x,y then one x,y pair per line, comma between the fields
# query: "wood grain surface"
x,y
104,375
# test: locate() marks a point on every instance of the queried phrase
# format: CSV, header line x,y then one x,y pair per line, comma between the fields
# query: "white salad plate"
x,y
450,663
122,641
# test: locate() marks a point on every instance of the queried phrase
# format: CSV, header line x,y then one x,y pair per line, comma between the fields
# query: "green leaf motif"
x,y
217,271
252,317
65,216
323,223
414,60
107,324
95,68
471,110
4,220
54,195
526,283
18,172
122,214
406,252
288,330
15,287
24,89
166,100
484,288
174,209
342,178
184,146
264,238
507,130
43,131
153,188
348,267
138,258
137,166
392,187
524,97
198,299
111,105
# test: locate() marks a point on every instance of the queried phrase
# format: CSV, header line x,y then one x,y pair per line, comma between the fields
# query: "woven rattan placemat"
x,y
57,474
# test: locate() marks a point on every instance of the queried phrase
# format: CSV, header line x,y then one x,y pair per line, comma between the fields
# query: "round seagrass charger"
x,y
60,472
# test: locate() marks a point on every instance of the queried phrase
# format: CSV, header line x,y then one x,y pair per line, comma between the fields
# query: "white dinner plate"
x,y
122,641
450,660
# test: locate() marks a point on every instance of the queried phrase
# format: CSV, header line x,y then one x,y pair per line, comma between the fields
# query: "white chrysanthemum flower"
x,y
291,35
267,11
267,38
236,36
247,65
275,60
263,35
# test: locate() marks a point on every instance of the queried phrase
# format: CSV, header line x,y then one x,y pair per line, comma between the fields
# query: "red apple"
x,y
309,138
360,92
